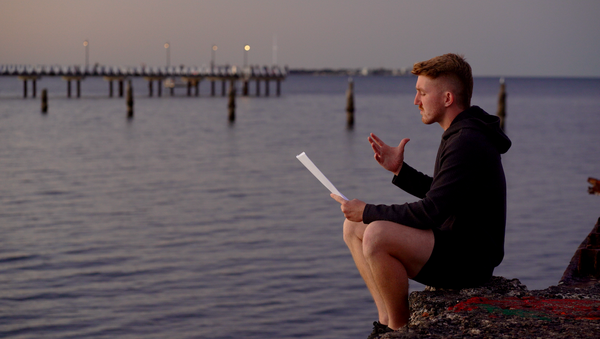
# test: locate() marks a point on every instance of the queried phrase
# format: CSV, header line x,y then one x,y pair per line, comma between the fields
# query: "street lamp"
x,y
246,49
167,47
87,54
212,58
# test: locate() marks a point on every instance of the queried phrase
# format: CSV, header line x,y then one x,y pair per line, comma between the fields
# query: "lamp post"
x,y
246,49
87,53
212,58
167,47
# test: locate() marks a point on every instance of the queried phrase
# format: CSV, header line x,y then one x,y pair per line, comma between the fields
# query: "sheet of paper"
x,y
318,174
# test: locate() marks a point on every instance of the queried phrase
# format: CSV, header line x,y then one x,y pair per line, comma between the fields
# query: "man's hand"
x,y
391,158
352,209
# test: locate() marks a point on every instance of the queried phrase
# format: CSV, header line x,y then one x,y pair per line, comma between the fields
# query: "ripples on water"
x,y
179,225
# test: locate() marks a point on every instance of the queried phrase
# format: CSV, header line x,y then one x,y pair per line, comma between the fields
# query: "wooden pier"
x,y
169,77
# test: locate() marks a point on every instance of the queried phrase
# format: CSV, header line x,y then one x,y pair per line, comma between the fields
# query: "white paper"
x,y
318,174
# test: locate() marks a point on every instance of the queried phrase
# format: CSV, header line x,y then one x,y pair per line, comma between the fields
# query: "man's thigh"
x,y
411,246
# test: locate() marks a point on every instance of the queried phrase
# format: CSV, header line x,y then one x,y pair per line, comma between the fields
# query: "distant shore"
x,y
351,71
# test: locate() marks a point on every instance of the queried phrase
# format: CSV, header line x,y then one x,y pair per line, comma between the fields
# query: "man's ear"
x,y
448,99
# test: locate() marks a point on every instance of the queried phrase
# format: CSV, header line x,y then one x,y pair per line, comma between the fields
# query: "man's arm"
x,y
456,182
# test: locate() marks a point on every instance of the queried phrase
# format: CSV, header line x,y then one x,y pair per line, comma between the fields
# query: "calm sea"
x,y
178,224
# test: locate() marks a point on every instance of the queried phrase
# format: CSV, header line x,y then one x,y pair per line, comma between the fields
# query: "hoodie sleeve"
x,y
457,178
412,181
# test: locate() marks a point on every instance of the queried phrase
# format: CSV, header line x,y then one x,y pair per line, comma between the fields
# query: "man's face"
x,y
430,99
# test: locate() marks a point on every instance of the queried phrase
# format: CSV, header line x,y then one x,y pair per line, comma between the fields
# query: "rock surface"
x,y
504,308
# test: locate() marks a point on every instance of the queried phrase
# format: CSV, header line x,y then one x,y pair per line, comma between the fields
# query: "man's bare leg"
x,y
353,236
391,253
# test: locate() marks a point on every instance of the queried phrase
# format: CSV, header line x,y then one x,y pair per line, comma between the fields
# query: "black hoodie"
x,y
466,198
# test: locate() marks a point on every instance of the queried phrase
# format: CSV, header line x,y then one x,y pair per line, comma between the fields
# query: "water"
x,y
178,224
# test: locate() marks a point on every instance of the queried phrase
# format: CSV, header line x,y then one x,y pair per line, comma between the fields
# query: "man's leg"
x,y
386,255
353,236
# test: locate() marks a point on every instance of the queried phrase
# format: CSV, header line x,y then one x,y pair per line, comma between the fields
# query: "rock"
x,y
503,308
584,268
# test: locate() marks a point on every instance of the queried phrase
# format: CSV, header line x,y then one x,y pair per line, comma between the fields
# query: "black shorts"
x,y
448,268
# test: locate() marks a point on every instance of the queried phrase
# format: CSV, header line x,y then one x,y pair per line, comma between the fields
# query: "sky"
x,y
499,38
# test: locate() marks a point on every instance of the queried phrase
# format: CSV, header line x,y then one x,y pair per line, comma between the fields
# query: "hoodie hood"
x,y
476,118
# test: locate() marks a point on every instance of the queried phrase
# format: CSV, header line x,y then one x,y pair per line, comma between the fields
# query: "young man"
x,y
452,237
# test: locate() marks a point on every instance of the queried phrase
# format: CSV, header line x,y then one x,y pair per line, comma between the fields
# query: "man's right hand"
x,y
390,158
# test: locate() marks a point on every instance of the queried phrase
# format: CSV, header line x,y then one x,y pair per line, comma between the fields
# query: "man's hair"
x,y
453,67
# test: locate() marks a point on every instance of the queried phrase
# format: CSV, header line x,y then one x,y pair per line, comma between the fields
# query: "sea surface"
x,y
179,224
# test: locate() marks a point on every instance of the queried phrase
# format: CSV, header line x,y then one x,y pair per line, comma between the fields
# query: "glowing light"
x,y
167,45
85,43
214,47
247,48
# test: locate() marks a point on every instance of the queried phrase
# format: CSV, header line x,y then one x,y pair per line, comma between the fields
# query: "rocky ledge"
x,y
505,308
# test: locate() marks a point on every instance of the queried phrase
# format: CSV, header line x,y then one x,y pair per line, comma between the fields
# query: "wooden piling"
x,y
231,103
44,101
69,88
266,87
278,87
150,88
350,103
159,87
501,113
212,88
24,88
129,100
197,88
120,88
110,88
33,82
223,86
78,88
245,88
257,87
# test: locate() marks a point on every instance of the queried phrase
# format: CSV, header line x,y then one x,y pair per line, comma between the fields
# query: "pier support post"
x,y
212,88
501,113
197,88
189,88
24,88
129,100
33,83
257,87
159,87
266,87
78,88
245,88
120,88
278,87
44,101
68,88
231,102
150,88
110,88
223,86
350,104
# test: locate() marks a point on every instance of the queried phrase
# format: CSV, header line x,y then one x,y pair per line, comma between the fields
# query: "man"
x,y
452,237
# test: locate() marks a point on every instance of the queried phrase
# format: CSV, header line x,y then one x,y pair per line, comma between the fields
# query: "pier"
x,y
170,77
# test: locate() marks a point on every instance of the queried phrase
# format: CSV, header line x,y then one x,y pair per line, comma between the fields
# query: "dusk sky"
x,y
498,38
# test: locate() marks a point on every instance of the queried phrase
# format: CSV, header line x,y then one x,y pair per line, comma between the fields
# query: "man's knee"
x,y
352,231
373,237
